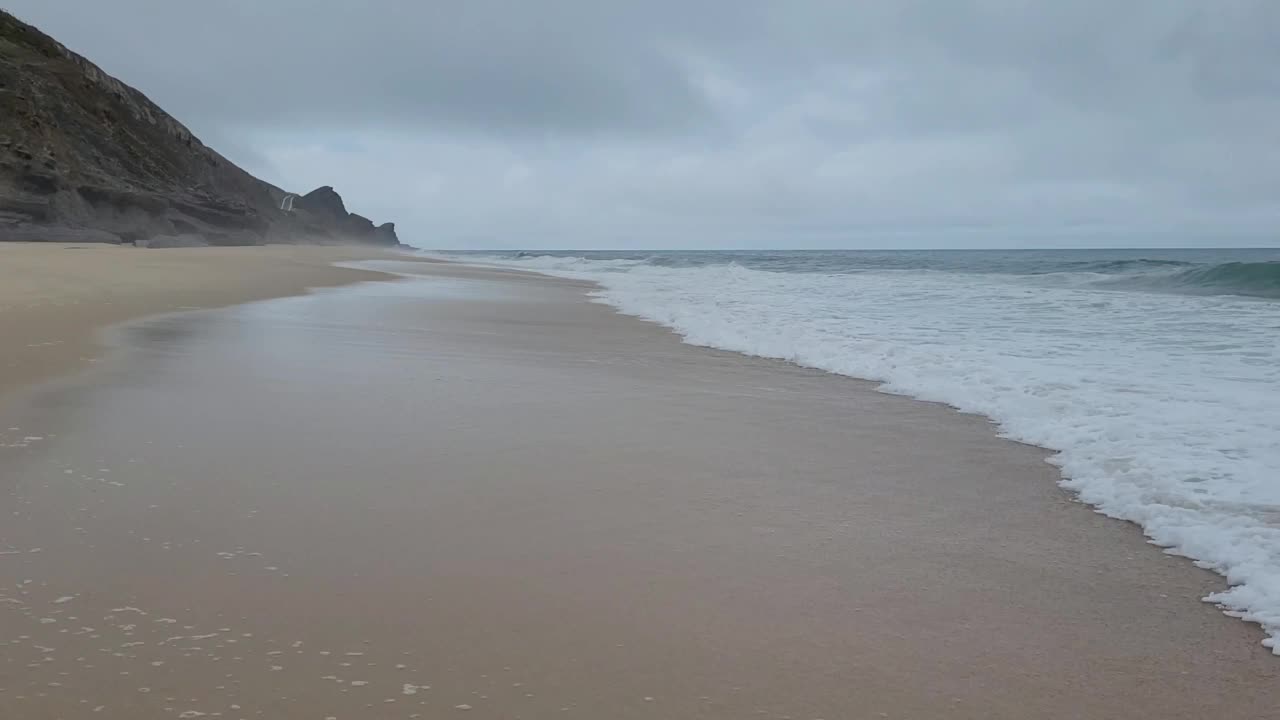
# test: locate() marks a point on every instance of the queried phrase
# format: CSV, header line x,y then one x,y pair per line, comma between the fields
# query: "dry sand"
x,y
480,496
53,297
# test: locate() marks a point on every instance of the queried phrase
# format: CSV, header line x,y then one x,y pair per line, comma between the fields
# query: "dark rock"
x,y
88,157
385,234
173,241
38,183
324,202
359,227
26,232
24,209
322,216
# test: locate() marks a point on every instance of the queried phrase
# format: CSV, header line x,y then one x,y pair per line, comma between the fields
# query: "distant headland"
x,y
86,158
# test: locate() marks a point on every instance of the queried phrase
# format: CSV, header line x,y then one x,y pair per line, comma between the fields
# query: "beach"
x,y
55,296
472,491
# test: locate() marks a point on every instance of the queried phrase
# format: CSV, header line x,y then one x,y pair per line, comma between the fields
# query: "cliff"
x,y
86,158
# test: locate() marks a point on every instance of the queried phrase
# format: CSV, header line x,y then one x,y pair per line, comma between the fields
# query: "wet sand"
x,y
478,495
54,297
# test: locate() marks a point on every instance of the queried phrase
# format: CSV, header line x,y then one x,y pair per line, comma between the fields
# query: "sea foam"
x,y
1163,409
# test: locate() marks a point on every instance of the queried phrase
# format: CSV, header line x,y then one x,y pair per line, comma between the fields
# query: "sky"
x,y
734,124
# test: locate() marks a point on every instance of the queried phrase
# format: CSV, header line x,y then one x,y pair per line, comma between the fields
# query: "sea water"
x,y
1153,375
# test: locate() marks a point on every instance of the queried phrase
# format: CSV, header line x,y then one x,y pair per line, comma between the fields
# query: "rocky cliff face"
x,y
323,208
86,158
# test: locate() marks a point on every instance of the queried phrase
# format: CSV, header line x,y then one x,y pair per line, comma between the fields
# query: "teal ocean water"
x,y
1246,272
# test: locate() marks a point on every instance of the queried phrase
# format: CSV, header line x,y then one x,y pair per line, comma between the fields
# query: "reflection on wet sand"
x,y
478,493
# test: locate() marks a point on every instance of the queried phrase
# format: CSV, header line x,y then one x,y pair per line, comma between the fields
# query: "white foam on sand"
x,y
1162,409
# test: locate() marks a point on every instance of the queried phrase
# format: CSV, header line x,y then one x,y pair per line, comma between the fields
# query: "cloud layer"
x,y
581,123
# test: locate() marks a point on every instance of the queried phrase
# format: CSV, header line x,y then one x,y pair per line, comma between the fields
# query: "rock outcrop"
x,y
86,158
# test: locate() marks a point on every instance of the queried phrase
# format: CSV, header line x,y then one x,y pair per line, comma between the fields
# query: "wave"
x,y
1250,279
1120,266
1191,275
1162,408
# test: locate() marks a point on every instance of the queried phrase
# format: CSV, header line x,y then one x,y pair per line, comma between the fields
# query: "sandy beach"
x,y
474,493
54,297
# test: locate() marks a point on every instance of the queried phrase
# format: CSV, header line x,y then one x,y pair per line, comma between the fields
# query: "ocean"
x,y
1153,375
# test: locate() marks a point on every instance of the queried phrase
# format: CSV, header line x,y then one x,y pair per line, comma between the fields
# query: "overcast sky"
x,y
744,123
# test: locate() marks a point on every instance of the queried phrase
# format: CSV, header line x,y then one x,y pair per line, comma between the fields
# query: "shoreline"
x,y
1150,449
57,298
541,503
308,268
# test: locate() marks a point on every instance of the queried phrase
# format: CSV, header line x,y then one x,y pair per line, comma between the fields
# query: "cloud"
x,y
811,123
499,67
